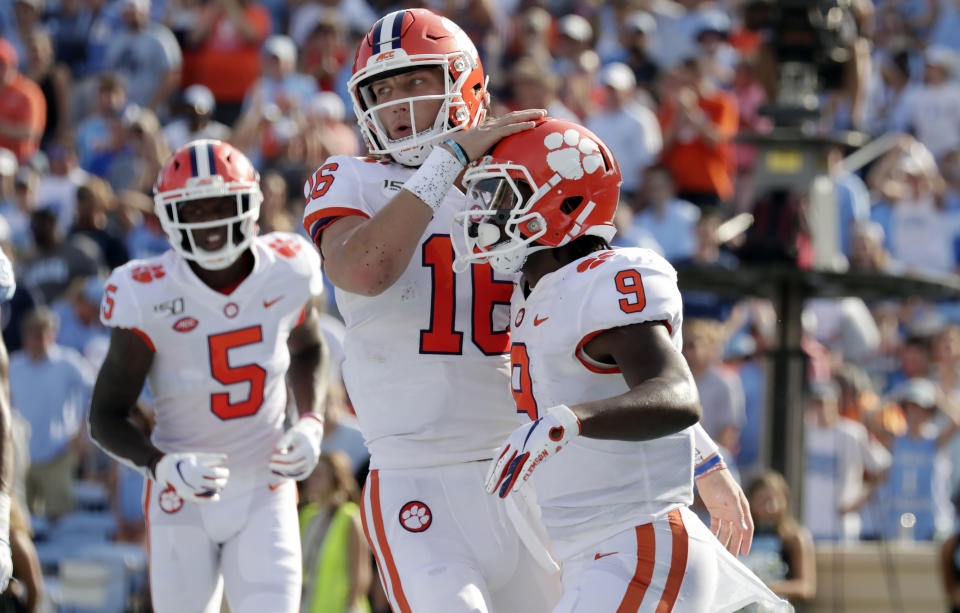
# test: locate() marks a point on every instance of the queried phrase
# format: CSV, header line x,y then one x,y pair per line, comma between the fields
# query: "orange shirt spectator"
x,y
227,37
699,123
23,109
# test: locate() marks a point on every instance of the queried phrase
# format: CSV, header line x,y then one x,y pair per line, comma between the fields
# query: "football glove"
x,y
197,477
528,447
297,452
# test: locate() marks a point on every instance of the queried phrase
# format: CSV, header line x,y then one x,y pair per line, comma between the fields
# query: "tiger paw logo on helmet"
x,y
415,516
578,154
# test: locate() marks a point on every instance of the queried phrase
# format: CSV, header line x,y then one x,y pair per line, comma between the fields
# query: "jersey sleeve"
x,y
629,287
119,307
333,191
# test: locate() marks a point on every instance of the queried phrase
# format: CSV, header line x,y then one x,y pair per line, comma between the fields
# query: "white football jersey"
x,y
425,362
220,360
596,488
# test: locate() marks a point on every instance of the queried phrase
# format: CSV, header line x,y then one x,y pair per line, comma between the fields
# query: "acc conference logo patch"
x,y
170,500
415,516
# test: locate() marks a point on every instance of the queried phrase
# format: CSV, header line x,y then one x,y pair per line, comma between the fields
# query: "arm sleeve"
x,y
333,191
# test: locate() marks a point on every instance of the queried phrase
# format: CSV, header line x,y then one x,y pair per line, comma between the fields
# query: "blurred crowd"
x,y
95,94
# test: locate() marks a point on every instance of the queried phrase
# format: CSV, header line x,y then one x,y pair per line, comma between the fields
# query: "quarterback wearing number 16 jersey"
x,y
426,359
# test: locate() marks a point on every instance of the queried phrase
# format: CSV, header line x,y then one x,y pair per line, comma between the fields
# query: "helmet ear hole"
x,y
571,204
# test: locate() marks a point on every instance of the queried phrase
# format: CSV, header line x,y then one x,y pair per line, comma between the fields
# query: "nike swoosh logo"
x,y
603,555
274,487
537,320
269,303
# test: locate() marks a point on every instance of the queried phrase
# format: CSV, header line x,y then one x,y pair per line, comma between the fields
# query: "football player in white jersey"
x,y
215,325
426,361
609,403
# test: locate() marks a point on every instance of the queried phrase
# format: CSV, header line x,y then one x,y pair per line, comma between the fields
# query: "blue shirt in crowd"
x,y
52,396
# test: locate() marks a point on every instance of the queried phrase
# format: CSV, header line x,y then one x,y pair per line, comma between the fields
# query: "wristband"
x,y
703,445
433,180
458,151
713,464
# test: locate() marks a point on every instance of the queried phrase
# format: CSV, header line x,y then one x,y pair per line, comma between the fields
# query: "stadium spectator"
x,y
699,122
325,52
336,559
721,392
574,37
909,487
325,130
635,35
658,212
533,86
782,553
55,261
23,110
227,36
78,314
50,386
931,108
57,189
708,254
841,467
279,83
55,83
95,201
96,133
146,55
529,37
27,16
629,128
193,118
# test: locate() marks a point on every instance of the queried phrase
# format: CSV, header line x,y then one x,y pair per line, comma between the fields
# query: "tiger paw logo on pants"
x,y
415,516
567,161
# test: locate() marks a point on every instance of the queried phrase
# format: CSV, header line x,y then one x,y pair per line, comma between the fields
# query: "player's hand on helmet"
x,y
529,446
296,454
197,477
477,141
730,518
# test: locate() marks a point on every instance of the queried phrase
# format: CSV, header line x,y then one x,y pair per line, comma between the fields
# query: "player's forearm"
x,y
308,378
655,408
122,439
370,258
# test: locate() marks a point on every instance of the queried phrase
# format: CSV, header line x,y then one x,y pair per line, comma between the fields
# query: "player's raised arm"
x,y
297,452
367,255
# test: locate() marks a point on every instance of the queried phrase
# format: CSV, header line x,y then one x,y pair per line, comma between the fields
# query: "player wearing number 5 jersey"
x,y
426,362
599,379
214,326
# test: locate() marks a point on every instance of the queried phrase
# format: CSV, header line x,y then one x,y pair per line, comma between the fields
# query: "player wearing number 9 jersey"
x,y
426,350
608,401
213,326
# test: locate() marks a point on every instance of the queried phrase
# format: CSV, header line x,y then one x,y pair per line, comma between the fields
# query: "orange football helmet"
x,y
208,169
406,40
537,189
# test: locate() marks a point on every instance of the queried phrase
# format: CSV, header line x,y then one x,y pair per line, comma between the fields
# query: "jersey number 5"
x,y
256,376
442,336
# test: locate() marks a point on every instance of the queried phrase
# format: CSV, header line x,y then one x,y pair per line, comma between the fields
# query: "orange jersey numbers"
x,y
220,345
521,385
442,335
629,284
321,181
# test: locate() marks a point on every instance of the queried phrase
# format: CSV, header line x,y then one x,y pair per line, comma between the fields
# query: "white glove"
x,y
6,561
296,454
528,447
197,477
